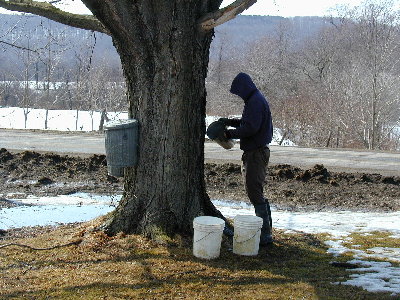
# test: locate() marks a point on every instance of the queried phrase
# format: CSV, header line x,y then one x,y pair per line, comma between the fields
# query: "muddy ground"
x,y
287,187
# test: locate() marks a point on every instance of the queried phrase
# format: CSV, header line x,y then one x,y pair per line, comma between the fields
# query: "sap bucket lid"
x,y
208,221
248,220
216,133
121,124
215,129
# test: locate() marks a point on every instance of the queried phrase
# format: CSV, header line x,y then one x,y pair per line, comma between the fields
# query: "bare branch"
x,y
51,12
213,19
41,249
16,46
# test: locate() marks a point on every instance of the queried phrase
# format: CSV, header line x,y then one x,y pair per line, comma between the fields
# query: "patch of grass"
x,y
132,267
374,239
368,241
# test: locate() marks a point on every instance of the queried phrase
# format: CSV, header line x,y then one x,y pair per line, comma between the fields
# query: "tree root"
x,y
77,242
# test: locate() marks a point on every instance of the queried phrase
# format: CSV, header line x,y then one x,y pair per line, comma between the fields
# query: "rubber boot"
x,y
269,213
266,230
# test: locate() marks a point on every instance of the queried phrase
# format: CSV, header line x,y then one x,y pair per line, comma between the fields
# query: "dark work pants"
x,y
254,172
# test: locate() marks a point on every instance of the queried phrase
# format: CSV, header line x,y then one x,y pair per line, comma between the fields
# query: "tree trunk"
x,y
164,56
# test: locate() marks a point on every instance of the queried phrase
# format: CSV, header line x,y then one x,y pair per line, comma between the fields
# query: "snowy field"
x,y
376,272
61,120
72,120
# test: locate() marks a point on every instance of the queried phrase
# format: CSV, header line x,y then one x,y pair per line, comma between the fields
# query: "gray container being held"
x,y
121,141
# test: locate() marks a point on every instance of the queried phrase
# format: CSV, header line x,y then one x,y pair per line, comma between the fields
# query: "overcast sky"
x,y
285,8
291,8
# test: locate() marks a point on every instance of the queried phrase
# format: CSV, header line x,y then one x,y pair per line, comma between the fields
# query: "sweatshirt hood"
x,y
243,86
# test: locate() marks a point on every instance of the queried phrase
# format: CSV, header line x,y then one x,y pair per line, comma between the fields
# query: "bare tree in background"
x,y
378,31
338,88
50,58
27,97
365,73
341,88
272,62
223,66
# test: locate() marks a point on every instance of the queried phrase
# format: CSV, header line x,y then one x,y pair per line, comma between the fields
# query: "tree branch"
x,y
213,19
16,46
77,242
51,12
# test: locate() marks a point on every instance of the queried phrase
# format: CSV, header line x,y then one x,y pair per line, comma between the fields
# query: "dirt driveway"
x,y
288,187
384,163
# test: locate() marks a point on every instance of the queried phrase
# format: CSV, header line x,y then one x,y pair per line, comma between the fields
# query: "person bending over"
x,y
255,131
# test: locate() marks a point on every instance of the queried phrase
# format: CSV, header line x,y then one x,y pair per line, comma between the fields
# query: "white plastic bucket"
x,y
246,240
207,236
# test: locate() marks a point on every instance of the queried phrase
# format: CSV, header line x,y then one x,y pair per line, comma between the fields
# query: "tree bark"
x,y
164,54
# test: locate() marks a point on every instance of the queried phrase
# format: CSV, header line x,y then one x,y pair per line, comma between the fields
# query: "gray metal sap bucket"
x,y
121,141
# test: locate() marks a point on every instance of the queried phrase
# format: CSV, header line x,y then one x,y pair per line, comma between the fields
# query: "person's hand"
x,y
227,134
222,136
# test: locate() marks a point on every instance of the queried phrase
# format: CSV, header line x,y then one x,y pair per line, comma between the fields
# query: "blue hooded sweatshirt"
x,y
255,129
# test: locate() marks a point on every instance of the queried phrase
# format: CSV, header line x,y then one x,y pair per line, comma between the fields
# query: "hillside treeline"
x,y
331,82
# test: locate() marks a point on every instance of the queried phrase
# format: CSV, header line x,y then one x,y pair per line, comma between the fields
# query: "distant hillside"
x,y
68,45
35,32
242,31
